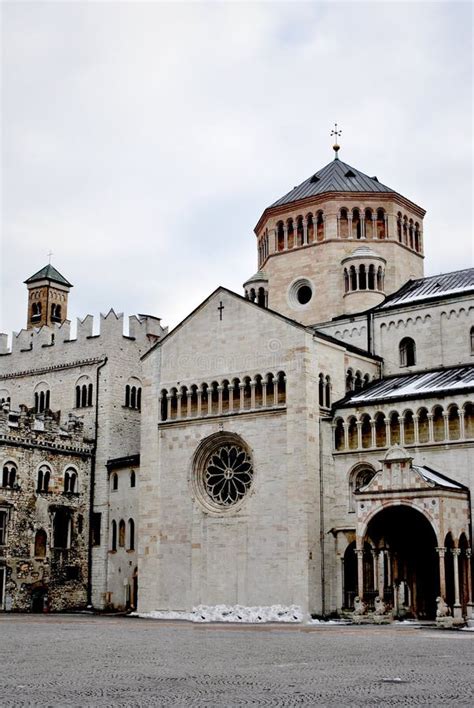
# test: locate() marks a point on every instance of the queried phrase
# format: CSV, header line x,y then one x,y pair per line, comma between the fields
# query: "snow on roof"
x,y
435,286
436,478
416,385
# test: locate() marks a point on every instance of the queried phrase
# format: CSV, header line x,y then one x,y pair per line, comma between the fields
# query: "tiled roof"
x,y
337,176
417,385
49,272
433,287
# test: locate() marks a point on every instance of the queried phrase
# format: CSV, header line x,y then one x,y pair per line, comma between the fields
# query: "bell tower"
x,y
48,293
338,243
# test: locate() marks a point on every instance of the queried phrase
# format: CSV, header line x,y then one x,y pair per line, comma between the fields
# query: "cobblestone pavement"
x,y
68,660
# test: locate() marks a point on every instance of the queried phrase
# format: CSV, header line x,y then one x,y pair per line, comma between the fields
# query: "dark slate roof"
x,y
337,176
431,288
49,272
419,385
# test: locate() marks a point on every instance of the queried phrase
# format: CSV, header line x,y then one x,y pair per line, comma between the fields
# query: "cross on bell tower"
x,y
336,133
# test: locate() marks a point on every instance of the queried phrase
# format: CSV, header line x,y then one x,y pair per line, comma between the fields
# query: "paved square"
x,y
68,660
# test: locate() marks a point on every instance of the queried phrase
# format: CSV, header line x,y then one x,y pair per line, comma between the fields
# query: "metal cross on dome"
x,y
49,256
336,133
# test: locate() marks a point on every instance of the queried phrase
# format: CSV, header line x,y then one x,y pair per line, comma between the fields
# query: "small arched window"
x,y
133,478
472,340
114,482
131,535
321,390
127,396
44,476
121,533
164,404
327,392
133,397
70,481
113,543
407,352
9,475
40,543
139,399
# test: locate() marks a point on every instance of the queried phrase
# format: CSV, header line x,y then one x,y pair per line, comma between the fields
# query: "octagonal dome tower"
x,y
310,239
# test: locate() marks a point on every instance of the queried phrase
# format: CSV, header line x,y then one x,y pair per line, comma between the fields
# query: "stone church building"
x,y
309,443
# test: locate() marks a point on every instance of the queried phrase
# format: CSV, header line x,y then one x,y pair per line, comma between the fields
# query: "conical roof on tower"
x,y
49,272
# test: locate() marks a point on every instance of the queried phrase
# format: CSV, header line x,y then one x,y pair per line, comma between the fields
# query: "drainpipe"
x,y
321,520
92,483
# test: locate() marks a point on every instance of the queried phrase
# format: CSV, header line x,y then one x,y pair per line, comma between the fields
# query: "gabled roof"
x,y
337,176
433,287
420,385
436,479
273,313
49,272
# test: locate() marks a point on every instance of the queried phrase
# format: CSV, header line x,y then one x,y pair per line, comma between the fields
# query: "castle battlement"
x,y
36,343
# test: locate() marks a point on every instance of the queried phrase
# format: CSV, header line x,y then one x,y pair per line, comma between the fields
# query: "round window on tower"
x,y
300,293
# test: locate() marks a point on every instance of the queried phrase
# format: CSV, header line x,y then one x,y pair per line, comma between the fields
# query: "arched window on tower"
x,y
55,313
327,392
405,230
356,224
407,350
371,277
320,226
291,233
471,339
321,390
261,297
299,231
346,281
343,224
310,227
399,227
411,234
380,224
417,237
369,224
280,236
353,278
9,475
380,279
362,278
35,311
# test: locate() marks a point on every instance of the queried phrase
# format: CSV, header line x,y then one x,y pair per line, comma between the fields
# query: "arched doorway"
x,y
407,566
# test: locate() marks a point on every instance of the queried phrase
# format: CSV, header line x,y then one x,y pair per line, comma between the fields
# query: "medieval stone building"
x,y
310,443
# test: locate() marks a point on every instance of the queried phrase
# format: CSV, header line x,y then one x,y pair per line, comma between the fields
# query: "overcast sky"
x,y
142,141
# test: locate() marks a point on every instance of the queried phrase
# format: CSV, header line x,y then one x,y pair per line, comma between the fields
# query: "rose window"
x,y
228,475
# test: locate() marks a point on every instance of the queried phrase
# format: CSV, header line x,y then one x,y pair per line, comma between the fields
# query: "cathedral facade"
x,y
307,444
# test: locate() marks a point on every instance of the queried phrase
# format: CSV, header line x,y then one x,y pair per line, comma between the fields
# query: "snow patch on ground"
x,y
227,613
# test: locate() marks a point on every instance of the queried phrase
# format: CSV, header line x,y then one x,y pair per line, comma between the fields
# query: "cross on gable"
x,y
220,308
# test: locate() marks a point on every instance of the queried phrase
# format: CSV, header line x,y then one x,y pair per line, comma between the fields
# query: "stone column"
x,y
470,605
446,426
359,434
169,396
210,391
219,405
349,225
374,225
264,393
401,422
346,435
252,394
457,609
305,230
242,392
231,396
285,237
189,395
416,430
387,432
462,430
381,585
430,428
442,574
373,433
338,227
360,572
363,235
178,407
275,391
199,403
375,562
387,235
